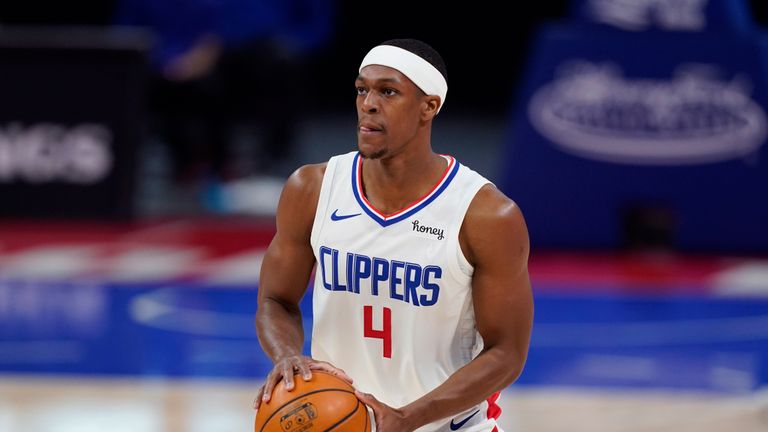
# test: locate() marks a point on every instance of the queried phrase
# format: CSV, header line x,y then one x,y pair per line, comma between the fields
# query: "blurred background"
x,y
144,143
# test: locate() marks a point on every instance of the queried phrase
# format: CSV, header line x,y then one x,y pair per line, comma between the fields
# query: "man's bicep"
x,y
285,270
501,285
288,262
503,308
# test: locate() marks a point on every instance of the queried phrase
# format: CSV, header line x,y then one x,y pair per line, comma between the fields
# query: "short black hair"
x,y
423,50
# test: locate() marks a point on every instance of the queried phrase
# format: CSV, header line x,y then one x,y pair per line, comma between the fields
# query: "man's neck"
x,y
392,184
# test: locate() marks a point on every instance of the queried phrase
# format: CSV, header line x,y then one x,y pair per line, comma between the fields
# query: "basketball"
x,y
324,403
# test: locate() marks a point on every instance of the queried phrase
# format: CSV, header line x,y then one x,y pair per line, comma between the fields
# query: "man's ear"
x,y
429,107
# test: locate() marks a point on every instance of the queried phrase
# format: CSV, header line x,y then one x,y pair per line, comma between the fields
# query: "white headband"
x,y
421,72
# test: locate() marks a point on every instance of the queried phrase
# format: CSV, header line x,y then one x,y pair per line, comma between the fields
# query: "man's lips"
x,y
370,128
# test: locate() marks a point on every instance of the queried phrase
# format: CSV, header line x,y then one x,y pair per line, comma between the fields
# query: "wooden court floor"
x,y
55,404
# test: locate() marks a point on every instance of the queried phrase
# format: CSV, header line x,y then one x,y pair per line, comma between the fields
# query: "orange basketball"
x,y
324,403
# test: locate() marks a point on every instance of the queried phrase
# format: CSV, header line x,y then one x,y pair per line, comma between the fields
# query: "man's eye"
x,y
389,92
360,90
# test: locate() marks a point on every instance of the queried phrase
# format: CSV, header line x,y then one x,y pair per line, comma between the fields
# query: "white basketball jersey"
x,y
392,299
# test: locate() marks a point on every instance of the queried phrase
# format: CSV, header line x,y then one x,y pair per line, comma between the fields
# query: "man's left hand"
x,y
388,419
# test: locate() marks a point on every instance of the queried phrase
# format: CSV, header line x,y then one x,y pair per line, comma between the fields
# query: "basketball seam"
x,y
299,397
357,407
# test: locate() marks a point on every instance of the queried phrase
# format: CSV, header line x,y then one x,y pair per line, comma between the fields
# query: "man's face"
x,y
388,111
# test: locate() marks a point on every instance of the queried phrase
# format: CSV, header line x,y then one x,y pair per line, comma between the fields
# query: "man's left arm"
x,y
494,239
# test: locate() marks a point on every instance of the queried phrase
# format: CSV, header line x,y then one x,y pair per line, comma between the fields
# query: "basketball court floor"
x,y
149,327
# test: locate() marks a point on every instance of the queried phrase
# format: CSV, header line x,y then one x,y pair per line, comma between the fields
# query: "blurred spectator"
x,y
219,63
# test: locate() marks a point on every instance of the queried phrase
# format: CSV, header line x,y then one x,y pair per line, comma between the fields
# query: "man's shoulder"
x,y
492,210
490,202
309,172
312,174
491,217
305,182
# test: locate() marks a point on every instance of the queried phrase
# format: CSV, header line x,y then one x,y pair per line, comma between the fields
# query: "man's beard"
x,y
375,155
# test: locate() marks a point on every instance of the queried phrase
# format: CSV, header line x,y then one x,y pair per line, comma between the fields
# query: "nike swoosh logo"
x,y
336,217
457,426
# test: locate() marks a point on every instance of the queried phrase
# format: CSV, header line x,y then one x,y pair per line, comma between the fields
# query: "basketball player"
x,y
421,293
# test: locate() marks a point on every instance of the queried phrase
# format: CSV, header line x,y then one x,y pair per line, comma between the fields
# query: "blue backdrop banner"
x,y
610,125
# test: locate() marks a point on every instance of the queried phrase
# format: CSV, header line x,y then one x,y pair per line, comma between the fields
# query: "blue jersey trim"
x,y
387,222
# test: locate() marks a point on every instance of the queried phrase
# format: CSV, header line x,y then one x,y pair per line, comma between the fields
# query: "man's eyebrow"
x,y
380,80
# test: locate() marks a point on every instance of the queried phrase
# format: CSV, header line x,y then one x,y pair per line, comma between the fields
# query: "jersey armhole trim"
x,y
323,201
462,267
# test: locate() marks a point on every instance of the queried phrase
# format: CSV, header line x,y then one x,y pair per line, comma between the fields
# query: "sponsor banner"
x,y
49,152
69,124
611,124
691,117
717,16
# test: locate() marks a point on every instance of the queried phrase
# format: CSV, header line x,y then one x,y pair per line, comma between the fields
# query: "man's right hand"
x,y
285,369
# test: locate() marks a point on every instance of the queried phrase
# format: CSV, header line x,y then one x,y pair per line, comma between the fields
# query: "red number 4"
x,y
385,334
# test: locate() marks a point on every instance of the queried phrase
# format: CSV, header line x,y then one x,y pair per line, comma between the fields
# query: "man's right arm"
x,y
285,274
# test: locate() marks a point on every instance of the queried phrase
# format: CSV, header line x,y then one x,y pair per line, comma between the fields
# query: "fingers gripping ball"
x,y
324,403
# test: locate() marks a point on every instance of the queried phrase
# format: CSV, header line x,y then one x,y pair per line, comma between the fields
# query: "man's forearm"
x,y
491,371
279,329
